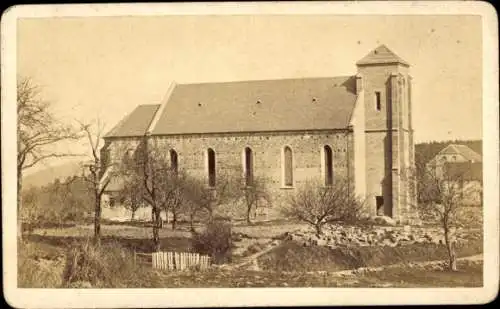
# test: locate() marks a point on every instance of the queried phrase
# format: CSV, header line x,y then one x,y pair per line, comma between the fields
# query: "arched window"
x,y
288,166
328,164
211,167
174,163
248,166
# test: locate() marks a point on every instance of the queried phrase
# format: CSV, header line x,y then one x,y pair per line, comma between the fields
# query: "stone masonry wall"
x,y
267,149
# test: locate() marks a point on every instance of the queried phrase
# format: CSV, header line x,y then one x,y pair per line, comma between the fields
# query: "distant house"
x,y
460,162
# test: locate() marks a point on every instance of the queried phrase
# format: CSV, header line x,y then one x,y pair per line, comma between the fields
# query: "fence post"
x,y
135,258
176,261
165,261
160,256
169,260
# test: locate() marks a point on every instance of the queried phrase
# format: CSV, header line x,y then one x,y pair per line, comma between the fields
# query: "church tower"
x,y
384,79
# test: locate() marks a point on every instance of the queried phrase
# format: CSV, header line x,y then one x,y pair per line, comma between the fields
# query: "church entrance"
x,y
379,202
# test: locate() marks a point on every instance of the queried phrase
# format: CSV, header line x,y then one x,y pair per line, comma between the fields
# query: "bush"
x,y
215,241
104,266
317,205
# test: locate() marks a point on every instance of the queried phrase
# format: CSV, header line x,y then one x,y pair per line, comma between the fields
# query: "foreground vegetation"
x,y
124,274
65,260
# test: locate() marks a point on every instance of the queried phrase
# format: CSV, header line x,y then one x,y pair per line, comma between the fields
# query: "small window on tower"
x,y
378,104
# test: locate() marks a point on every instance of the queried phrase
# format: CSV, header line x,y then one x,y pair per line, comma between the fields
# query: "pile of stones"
x,y
342,236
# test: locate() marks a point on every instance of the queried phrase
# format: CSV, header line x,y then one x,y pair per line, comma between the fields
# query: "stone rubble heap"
x,y
342,236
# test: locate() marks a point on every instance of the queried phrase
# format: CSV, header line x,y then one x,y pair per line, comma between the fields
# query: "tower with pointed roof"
x,y
384,82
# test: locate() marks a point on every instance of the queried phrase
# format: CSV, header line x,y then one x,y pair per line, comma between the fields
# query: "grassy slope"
x,y
291,256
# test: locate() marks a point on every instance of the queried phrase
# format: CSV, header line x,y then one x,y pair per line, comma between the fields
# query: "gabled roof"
x,y
381,55
462,150
252,106
134,124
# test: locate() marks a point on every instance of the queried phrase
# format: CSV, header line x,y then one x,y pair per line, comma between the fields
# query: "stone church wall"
x,y
267,149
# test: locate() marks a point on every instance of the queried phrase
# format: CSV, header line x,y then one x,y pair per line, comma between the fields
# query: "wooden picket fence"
x,y
176,260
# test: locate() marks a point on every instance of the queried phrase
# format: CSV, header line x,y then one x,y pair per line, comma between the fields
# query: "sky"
x,y
103,67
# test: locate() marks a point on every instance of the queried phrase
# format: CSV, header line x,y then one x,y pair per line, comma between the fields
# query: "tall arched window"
x,y
328,164
211,167
174,163
288,166
248,166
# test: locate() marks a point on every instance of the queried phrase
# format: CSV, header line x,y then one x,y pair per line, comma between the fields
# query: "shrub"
x,y
215,241
317,205
108,265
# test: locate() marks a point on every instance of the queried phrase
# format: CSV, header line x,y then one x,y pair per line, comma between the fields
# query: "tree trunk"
x,y
97,219
191,222
174,220
453,259
318,228
210,214
133,215
156,229
19,202
450,247
249,210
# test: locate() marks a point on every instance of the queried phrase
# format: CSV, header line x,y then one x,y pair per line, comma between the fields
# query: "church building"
x,y
356,127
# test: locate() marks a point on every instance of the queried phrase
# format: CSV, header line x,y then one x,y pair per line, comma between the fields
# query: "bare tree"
x,y
195,199
94,170
37,129
151,176
130,197
442,193
317,205
254,194
177,201
227,189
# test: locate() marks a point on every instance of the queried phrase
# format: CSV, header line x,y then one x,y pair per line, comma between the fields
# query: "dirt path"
x,y
252,259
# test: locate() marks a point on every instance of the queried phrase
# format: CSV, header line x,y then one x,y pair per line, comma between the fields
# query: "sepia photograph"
x,y
241,150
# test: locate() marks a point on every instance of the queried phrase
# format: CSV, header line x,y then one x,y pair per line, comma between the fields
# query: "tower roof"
x,y
381,55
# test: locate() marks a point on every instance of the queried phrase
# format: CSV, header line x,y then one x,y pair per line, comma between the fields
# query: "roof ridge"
x,y
266,80
454,146
159,111
445,148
